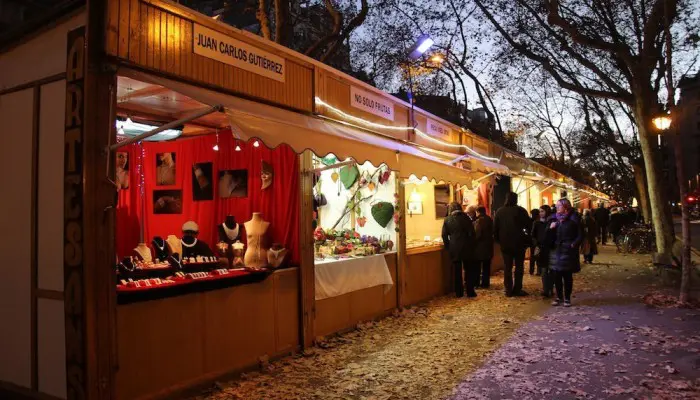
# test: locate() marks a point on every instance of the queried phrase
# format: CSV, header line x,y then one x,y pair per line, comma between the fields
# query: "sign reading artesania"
x,y
437,129
217,46
371,103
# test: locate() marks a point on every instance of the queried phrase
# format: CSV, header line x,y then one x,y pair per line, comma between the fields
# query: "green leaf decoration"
x,y
383,212
329,160
348,175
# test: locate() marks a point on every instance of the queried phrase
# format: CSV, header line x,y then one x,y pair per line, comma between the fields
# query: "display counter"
x,y
342,312
338,277
428,273
172,343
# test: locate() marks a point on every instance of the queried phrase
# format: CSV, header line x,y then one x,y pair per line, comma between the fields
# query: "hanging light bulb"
x,y
216,146
128,121
256,144
238,148
120,130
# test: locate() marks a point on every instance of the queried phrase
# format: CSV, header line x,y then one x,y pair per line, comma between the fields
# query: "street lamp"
x,y
416,51
662,122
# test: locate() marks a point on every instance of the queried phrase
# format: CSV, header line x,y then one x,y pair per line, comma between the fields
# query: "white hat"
x,y
190,226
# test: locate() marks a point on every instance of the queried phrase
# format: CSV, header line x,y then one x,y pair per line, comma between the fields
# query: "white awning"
x,y
275,126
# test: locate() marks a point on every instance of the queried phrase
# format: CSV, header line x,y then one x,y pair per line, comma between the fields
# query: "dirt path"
x,y
609,345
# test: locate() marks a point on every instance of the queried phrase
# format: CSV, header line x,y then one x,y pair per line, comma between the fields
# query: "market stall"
x,y
355,240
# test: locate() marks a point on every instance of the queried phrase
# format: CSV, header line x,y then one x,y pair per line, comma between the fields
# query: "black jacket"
x,y
617,221
602,216
483,228
565,240
511,228
539,233
458,235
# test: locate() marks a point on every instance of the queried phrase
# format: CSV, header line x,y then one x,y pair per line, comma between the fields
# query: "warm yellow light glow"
x,y
662,122
437,59
415,196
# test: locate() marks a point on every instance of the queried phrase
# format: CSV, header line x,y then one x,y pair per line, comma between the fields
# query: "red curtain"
x,y
278,204
484,193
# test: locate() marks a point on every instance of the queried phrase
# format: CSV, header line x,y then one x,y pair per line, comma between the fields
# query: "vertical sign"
x,y
73,215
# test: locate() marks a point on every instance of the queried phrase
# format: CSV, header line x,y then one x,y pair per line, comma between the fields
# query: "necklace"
x,y
188,245
232,234
160,247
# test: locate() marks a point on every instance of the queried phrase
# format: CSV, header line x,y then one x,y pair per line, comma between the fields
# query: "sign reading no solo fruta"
x,y
212,44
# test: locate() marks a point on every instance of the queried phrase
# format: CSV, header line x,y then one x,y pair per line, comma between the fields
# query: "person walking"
x,y
590,234
458,236
483,251
539,237
511,229
534,216
617,221
602,218
565,234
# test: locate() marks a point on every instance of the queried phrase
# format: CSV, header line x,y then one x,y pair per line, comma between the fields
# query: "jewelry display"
x,y
276,255
174,244
144,252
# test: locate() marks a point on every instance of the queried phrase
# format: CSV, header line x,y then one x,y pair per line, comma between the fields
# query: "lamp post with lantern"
x,y
664,124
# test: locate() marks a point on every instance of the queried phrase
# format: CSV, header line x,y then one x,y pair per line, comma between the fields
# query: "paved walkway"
x,y
611,344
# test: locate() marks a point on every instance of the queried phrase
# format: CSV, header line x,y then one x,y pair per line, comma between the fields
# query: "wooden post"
x,y
88,219
307,287
401,246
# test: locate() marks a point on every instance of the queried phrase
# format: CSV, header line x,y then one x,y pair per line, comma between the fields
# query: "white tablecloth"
x,y
337,277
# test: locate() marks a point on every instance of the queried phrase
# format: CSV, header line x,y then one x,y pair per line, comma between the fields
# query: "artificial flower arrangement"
x,y
333,243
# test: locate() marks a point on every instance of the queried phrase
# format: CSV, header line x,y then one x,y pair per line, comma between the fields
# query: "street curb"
x,y
692,249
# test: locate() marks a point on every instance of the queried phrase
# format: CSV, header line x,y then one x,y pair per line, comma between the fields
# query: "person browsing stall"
x,y
458,236
511,229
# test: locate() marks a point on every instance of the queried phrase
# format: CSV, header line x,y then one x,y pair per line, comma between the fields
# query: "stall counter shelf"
x,y
428,271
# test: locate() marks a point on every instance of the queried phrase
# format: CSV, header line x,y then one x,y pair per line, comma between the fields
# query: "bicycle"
x,y
638,238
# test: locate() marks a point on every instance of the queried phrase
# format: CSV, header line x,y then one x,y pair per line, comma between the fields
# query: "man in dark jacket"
x,y
539,237
458,236
602,218
483,252
511,231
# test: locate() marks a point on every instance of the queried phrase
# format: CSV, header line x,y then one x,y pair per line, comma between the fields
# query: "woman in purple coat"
x,y
564,235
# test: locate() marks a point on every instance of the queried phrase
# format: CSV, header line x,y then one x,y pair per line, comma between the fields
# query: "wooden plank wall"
x,y
161,40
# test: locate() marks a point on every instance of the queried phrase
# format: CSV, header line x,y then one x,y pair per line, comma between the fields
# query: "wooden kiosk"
x,y
75,333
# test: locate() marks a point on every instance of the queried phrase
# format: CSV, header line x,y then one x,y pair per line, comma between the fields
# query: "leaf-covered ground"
x,y
611,344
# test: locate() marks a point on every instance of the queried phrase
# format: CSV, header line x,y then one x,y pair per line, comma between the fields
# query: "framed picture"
x,y
233,183
415,207
165,169
202,184
167,202
122,178
442,200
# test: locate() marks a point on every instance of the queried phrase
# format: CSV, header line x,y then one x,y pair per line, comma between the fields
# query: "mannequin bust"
x,y
256,254
160,248
144,252
174,245
276,255
229,230
238,252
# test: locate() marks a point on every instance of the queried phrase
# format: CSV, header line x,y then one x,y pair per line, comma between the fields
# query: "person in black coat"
x,y
483,251
617,221
458,236
511,229
539,237
564,234
534,216
602,217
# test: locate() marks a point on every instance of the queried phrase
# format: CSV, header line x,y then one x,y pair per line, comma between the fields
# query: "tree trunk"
x,y
642,193
658,203
685,219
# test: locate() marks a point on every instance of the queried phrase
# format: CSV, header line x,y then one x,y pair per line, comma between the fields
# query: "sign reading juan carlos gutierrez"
x,y
371,103
214,45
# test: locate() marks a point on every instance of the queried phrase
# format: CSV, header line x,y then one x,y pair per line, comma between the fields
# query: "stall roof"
x,y
275,126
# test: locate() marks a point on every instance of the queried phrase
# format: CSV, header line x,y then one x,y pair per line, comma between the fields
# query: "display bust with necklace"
x,y
229,231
